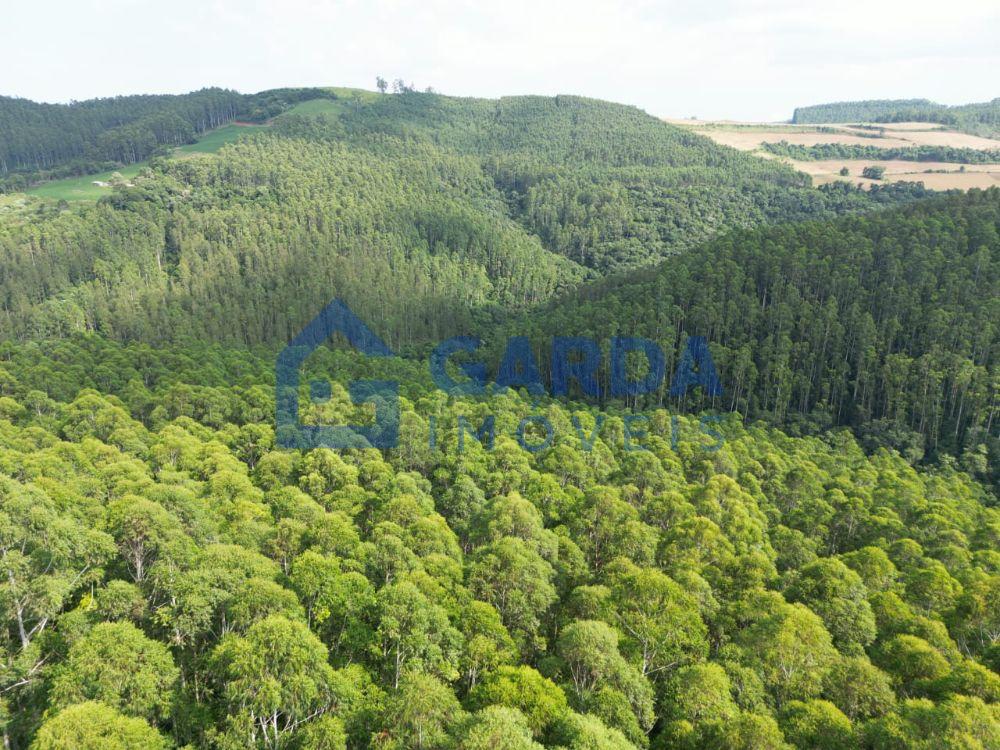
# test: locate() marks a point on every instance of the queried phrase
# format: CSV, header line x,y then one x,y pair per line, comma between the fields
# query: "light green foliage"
x,y
792,651
94,726
836,594
659,620
325,733
421,715
541,701
858,688
414,634
181,578
586,732
955,724
912,662
89,187
120,667
604,683
498,728
515,579
817,724
699,693
272,680
487,644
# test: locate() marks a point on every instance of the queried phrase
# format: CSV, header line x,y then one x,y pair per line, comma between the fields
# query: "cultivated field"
x,y
935,175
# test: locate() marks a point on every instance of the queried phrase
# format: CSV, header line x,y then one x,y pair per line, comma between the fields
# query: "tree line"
x,y
57,140
980,118
885,322
824,151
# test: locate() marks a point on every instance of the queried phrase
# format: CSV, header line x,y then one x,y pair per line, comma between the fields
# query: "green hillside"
x,y
889,323
40,142
256,264
423,212
808,561
605,185
86,187
979,119
213,140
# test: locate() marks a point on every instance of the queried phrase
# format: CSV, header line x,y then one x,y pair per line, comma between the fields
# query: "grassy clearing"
x,y
325,107
83,188
348,93
216,139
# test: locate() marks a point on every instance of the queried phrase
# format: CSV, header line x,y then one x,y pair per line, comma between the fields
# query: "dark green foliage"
x,y
605,185
872,110
982,119
426,214
81,137
824,151
241,249
826,323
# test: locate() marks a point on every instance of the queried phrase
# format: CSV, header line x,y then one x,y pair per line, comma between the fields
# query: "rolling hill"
x,y
979,119
40,141
422,211
808,560
886,322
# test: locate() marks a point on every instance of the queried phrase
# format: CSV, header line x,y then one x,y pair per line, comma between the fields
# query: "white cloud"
x,y
755,59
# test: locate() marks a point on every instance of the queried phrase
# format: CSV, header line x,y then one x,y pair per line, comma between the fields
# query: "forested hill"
x,y
605,184
888,322
981,119
553,130
868,110
124,129
417,209
571,575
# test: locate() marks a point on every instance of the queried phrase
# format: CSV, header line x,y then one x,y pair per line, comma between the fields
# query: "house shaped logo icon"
x,y
336,317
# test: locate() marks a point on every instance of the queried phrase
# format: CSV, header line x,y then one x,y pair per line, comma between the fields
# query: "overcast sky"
x,y
707,58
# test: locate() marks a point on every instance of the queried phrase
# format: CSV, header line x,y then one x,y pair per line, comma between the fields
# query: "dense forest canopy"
x,y
88,135
808,561
824,151
419,210
888,322
173,579
980,119
869,110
